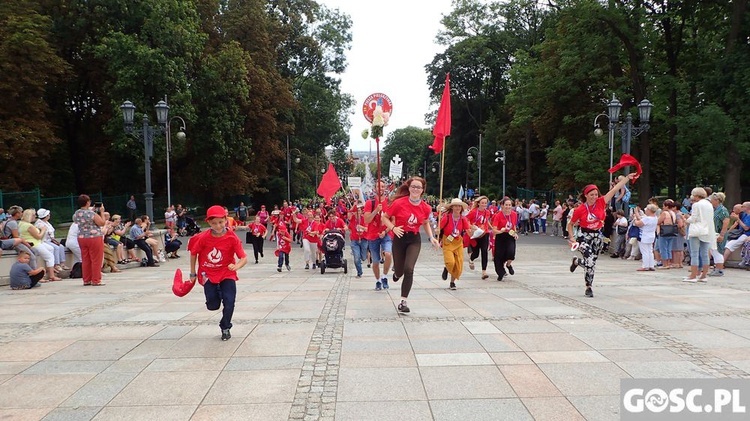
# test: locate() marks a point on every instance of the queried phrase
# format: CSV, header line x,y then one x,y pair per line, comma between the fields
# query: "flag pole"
x,y
440,200
377,182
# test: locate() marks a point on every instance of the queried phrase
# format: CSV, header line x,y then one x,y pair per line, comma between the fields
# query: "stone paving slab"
x,y
307,346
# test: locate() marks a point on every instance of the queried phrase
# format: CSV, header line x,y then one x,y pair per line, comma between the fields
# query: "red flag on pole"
x,y
330,184
443,122
627,160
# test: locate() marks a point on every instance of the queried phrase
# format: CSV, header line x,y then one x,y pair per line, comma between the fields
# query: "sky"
x,y
392,41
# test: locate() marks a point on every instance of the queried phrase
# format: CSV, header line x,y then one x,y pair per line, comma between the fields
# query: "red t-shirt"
x,y
590,217
407,215
307,226
500,221
454,227
337,224
479,218
283,241
215,254
375,227
354,221
257,229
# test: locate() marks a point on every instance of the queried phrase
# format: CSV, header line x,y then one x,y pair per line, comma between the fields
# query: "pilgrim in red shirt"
x,y
408,215
258,229
357,227
500,220
375,227
308,226
455,227
590,217
283,240
336,223
479,218
215,254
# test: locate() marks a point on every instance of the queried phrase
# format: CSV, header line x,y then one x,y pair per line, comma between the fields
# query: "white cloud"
x,y
392,41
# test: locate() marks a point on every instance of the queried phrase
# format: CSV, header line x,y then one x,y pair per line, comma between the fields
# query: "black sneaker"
x,y
510,270
573,264
278,269
402,307
378,286
396,278
261,254
288,268
256,262
307,266
315,266
445,274
453,286
225,335
589,292
500,278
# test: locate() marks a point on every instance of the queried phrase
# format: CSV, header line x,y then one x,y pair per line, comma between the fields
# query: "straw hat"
x,y
456,202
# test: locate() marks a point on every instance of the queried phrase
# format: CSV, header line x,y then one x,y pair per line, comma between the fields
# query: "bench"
x,y
9,257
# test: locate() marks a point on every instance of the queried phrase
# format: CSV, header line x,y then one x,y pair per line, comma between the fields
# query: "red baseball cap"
x,y
215,211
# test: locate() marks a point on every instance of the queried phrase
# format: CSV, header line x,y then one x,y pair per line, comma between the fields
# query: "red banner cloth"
x,y
627,160
443,121
330,184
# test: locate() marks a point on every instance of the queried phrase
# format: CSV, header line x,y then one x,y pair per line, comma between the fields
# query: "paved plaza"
x,y
307,346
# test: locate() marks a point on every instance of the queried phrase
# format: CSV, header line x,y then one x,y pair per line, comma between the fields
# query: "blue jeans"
x,y
665,247
698,252
375,246
283,258
359,249
226,292
542,225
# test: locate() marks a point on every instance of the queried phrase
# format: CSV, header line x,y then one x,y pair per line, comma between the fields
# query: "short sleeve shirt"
x,y
375,227
215,254
590,217
19,275
87,228
408,215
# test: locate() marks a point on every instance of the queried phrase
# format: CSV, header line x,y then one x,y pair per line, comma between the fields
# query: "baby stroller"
x,y
191,228
333,249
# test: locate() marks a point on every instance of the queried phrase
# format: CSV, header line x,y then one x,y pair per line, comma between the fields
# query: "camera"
x,y
98,205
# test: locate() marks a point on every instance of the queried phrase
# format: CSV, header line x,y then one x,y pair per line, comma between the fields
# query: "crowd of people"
x,y
96,239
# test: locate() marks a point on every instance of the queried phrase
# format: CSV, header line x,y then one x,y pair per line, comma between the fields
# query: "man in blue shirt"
x,y
743,222
139,238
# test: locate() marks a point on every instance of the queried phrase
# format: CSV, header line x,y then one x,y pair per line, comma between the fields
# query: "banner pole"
x,y
442,173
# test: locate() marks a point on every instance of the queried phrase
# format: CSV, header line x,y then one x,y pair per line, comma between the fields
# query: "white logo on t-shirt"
x,y
412,220
215,256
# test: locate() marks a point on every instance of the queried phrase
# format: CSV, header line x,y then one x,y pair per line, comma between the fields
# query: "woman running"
x,y
503,224
404,217
590,217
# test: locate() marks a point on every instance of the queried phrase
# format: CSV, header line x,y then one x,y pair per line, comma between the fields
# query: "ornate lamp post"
x,y
146,133
470,158
180,136
289,169
627,130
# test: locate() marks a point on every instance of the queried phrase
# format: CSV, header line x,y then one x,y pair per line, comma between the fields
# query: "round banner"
x,y
372,101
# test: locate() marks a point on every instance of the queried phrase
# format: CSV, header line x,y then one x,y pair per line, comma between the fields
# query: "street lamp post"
x,y
500,157
627,130
470,158
146,133
289,169
180,136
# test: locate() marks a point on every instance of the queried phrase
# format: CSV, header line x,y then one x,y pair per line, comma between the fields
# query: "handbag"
x,y
734,234
669,230
697,230
622,230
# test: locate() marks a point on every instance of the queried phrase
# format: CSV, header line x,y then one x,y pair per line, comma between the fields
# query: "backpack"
x,y
76,271
626,196
2,230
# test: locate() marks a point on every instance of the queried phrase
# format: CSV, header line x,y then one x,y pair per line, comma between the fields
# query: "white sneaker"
x,y
691,280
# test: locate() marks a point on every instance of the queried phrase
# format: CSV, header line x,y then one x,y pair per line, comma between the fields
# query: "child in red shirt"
x,y
256,235
215,252
283,246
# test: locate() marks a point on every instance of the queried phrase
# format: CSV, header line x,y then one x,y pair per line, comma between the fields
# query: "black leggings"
x,y
483,243
405,252
257,243
505,249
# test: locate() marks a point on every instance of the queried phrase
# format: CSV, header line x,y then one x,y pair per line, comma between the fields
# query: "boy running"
x,y
214,251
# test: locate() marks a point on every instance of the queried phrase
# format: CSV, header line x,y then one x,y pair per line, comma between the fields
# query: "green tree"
x,y
29,65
